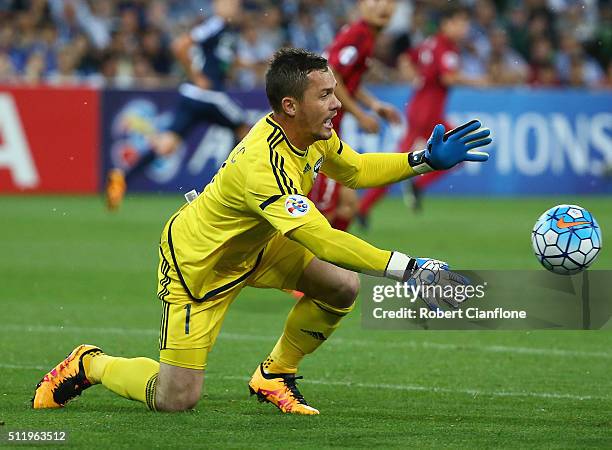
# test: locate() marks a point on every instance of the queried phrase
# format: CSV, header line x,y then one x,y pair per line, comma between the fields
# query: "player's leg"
x,y
160,386
374,195
411,190
348,206
188,331
178,388
324,194
194,106
186,116
85,366
197,106
329,295
419,184
203,106
423,181
115,188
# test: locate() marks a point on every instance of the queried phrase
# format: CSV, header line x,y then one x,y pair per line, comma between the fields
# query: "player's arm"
x,y
351,105
451,75
182,45
459,79
181,48
276,198
313,231
296,216
384,110
343,58
272,192
444,150
345,250
406,68
368,170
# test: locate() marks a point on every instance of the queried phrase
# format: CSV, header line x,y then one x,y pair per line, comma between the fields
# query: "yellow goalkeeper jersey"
x,y
217,240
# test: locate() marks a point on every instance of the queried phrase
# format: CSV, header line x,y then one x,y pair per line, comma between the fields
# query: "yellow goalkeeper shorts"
x,y
189,329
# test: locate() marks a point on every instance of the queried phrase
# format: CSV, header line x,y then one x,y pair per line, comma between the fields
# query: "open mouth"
x,y
328,123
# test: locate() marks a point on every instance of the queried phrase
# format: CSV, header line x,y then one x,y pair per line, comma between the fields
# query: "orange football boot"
x,y
281,390
115,189
66,381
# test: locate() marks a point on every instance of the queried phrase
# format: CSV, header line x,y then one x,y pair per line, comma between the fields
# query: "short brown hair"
x,y
287,75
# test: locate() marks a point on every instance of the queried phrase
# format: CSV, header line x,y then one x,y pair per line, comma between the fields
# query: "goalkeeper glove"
x,y
429,277
445,150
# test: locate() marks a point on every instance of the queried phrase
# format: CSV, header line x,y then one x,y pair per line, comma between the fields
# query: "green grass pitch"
x,y
72,273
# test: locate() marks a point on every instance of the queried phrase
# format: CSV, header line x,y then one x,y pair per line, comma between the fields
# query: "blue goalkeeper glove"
x,y
445,150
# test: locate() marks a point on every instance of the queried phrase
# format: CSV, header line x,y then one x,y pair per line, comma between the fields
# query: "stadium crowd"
x,y
128,43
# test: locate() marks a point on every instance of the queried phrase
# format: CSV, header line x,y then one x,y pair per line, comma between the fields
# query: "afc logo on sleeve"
x,y
296,205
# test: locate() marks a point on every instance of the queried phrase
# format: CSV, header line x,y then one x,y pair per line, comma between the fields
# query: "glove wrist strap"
x,y
419,162
400,266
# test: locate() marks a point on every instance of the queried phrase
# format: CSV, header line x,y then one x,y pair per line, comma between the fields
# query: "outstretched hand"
x,y
445,150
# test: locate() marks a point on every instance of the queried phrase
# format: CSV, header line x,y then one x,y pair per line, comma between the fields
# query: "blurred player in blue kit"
x,y
206,54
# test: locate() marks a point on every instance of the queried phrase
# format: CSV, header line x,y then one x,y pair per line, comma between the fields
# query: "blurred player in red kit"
x,y
435,64
348,56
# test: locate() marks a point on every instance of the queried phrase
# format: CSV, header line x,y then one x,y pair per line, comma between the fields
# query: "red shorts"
x,y
324,194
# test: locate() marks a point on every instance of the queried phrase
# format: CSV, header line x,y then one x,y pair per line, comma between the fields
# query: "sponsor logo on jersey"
x,y
296,205
348,55
450,60
307,168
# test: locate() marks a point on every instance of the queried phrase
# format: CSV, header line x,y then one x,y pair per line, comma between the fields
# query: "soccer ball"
x,y
566,239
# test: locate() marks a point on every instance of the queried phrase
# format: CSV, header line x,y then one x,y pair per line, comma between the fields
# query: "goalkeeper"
x,y
253,225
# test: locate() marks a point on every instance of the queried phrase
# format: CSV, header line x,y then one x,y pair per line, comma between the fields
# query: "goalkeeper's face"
x,y
319,105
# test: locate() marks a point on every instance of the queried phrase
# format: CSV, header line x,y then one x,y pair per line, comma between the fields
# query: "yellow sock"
x,y
309,324
130,378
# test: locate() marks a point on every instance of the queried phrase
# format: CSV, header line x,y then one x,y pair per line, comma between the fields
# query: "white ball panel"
x,y
550,237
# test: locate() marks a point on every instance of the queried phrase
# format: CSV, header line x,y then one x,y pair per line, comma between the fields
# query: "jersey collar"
x,y
277,127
